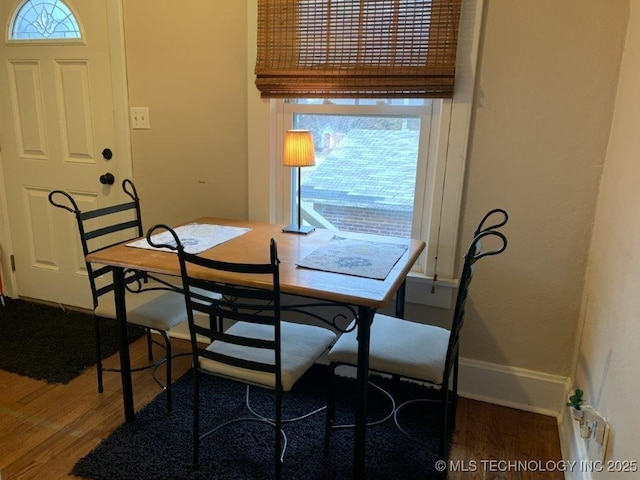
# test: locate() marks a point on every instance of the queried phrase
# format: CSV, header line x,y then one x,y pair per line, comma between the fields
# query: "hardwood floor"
x,y
493,442
45,429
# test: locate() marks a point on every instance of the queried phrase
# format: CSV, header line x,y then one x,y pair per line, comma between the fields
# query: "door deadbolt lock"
x,y
107,154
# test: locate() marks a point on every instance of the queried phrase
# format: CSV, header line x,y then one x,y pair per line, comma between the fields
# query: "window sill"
x,y
419,290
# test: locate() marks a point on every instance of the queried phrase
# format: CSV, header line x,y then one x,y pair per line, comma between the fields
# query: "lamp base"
x,y
300,230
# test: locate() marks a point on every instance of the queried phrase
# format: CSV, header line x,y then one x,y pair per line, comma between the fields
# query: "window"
x,y
371,166
44,20
367,158
428,178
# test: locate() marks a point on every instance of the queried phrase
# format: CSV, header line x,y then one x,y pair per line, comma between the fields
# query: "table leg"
x,y
400,295
365,315
123,344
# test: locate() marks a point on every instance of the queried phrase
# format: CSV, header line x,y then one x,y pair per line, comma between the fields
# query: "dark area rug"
x,y
158,447
48,343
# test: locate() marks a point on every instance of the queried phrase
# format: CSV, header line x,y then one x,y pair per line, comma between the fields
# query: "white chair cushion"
x,y
301,346
157,309
398,347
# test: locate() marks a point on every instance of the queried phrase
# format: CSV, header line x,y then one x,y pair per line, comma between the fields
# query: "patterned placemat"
x,y
195,237
361,258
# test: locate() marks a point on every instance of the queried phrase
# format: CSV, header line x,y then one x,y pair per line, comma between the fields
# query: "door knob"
x,y
107,179
107,154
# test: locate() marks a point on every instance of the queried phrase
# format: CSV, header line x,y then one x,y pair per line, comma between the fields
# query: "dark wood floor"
x,y
45,429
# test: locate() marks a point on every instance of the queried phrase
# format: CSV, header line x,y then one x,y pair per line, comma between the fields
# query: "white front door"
x,y
56,119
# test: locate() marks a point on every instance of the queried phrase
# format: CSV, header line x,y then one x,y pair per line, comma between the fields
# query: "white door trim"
x,y
115,26
9,284
117,55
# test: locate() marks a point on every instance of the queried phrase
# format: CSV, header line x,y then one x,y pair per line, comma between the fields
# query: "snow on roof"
x,y
369,169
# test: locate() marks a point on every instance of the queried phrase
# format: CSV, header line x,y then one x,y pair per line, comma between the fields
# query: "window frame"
x,y
9,40
286,201
445,169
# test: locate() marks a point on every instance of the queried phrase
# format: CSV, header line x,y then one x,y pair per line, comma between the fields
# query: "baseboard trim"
x,y
573,449
573,446
513,387
181,335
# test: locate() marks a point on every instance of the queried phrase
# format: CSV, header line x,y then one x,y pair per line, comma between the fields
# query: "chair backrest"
x,y
102,228
474,253
234,302
481,228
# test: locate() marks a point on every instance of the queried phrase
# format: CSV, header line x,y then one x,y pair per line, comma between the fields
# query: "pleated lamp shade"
x,y
298,149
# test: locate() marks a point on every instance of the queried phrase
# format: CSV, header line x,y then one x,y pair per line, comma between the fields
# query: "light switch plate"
x,y
140,118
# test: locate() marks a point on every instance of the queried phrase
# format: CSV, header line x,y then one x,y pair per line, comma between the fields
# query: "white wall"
x,y
187,62
609,353
543,109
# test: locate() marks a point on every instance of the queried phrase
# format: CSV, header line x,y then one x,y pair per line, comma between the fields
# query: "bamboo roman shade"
x,y
357,48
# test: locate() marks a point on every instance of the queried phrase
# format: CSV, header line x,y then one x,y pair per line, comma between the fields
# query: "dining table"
x,y
365,294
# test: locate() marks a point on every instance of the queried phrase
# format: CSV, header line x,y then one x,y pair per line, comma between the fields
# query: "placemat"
x,y
195,237
361,258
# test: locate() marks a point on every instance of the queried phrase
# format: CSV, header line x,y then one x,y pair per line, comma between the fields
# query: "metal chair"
x,y
156,306
259,349
417,351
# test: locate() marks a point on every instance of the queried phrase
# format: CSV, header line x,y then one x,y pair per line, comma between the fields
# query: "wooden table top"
x,y
253,247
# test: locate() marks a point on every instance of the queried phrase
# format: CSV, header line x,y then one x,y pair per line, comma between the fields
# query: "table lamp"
x,y
298,152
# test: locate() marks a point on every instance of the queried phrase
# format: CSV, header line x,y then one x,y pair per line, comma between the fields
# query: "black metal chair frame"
x,y
135,280
232,306
448,388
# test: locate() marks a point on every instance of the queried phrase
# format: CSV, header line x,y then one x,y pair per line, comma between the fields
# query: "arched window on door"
x,y
44,20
